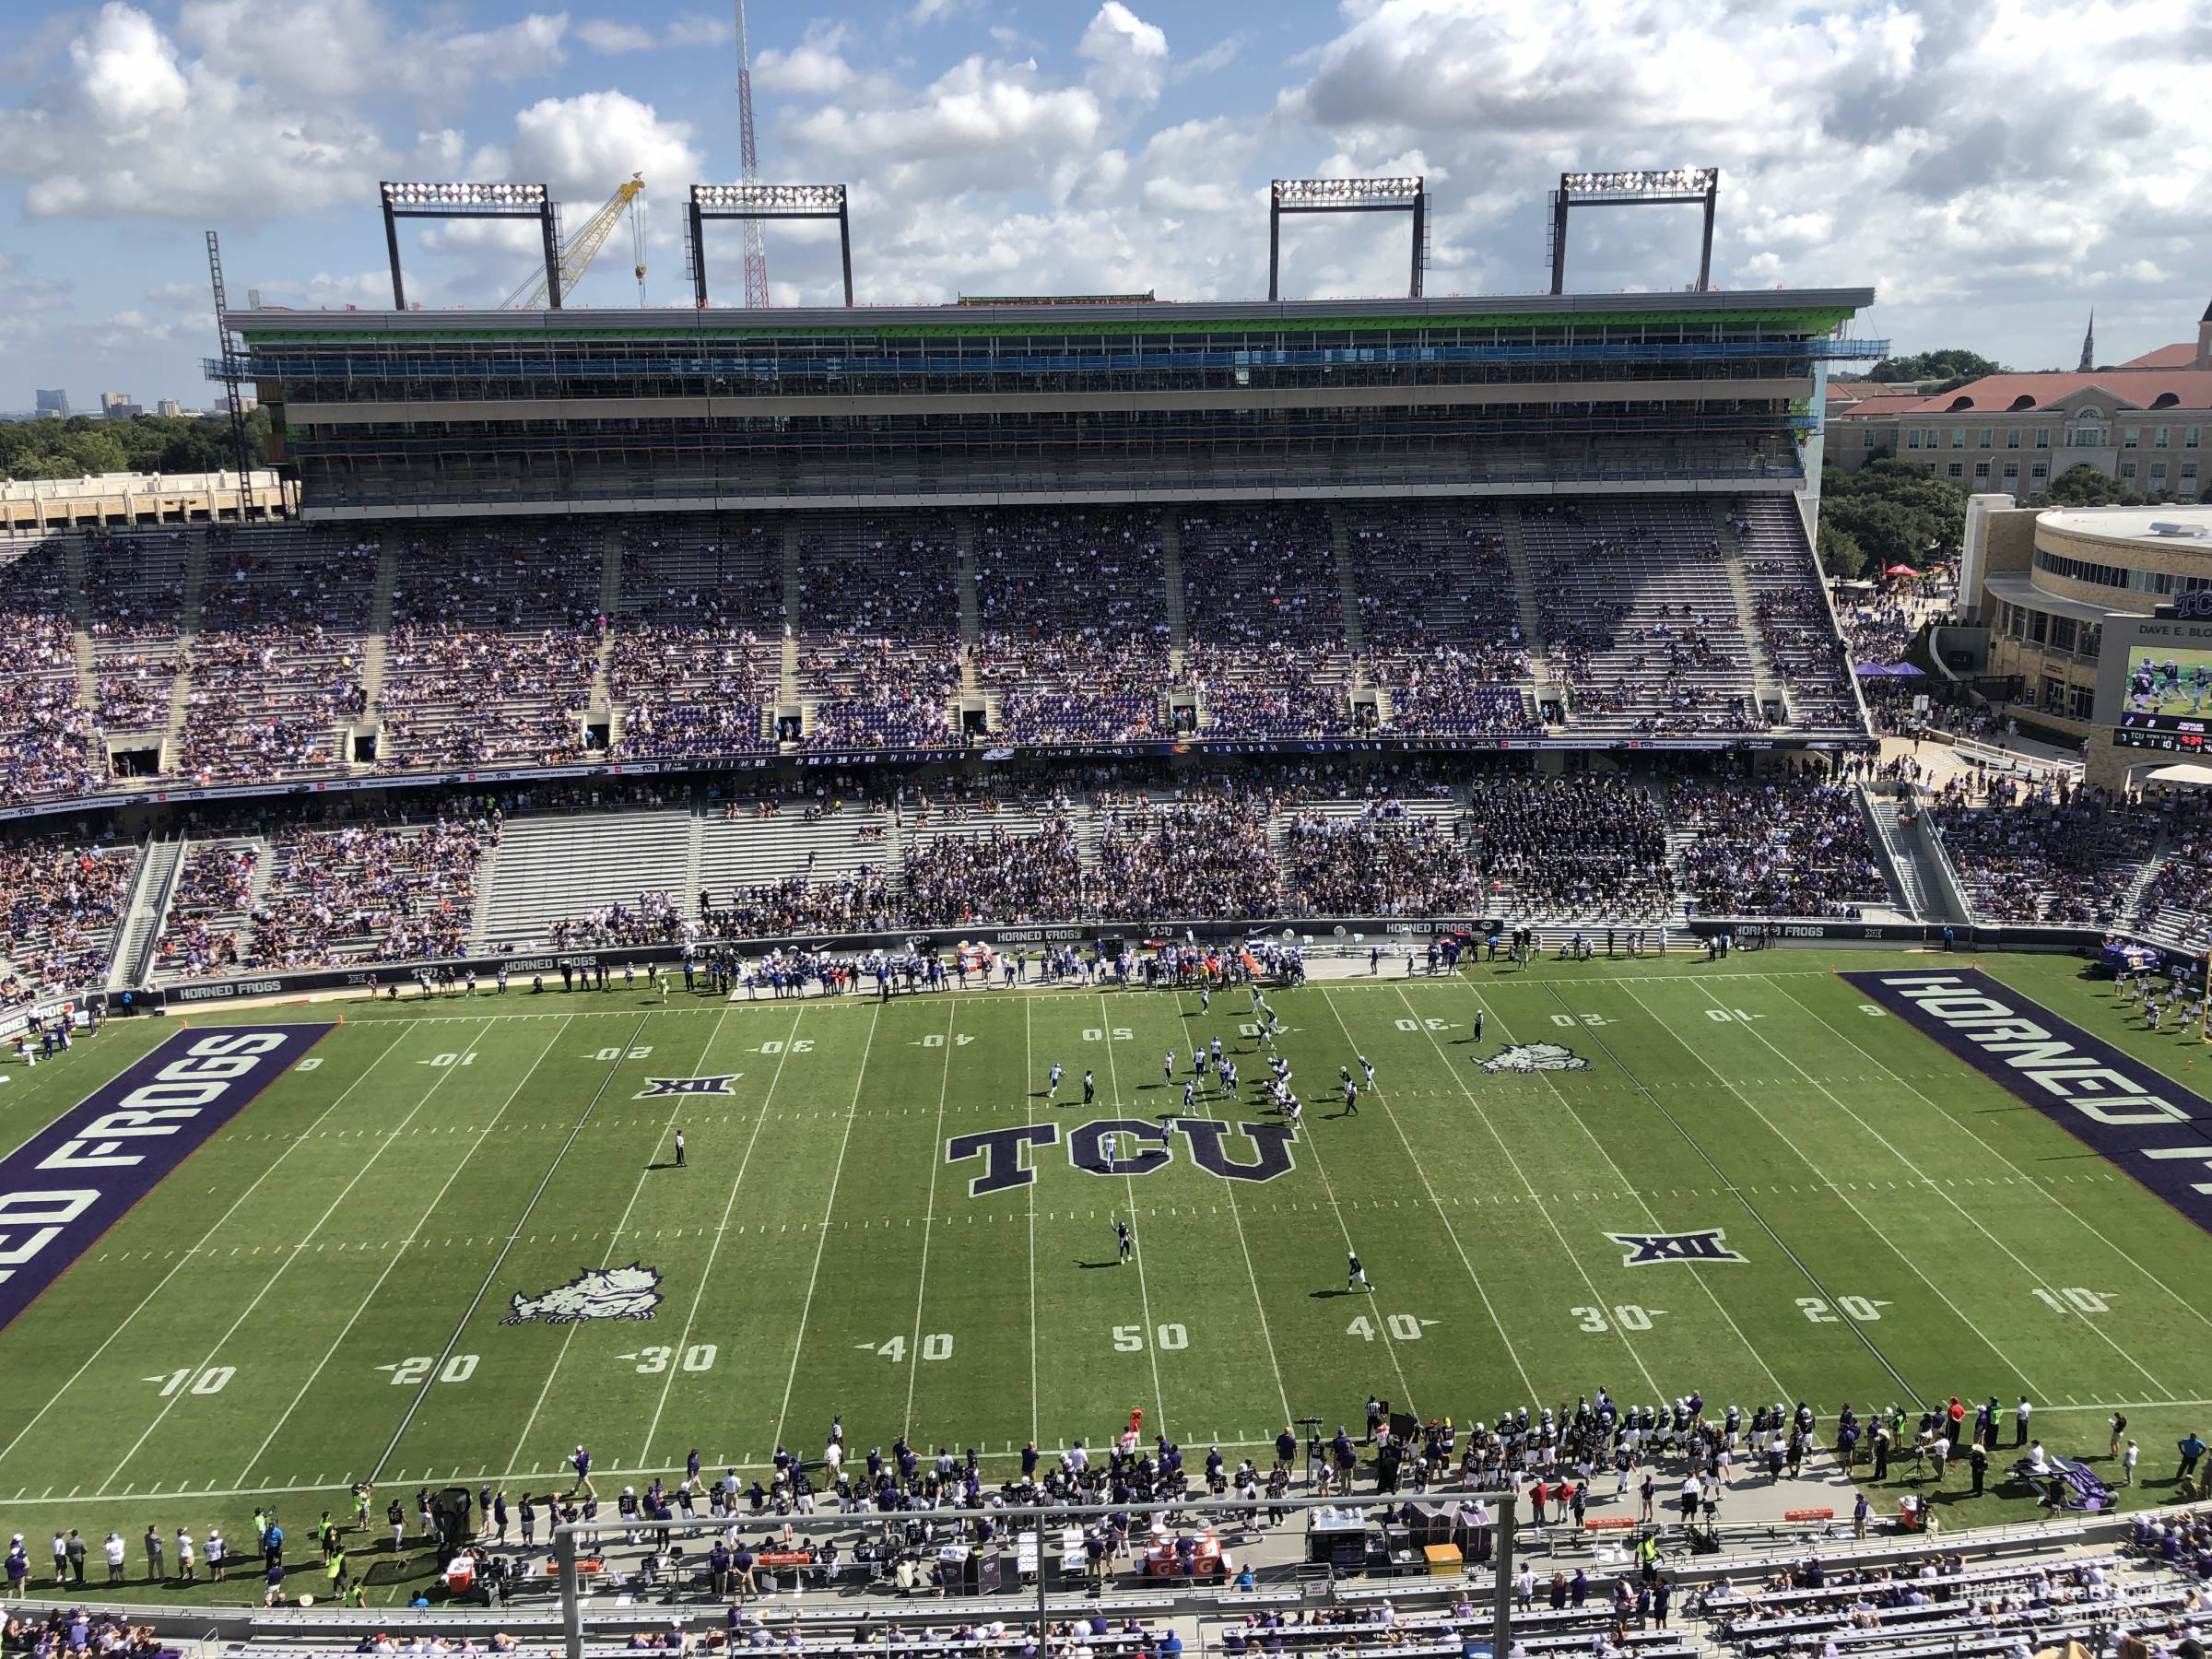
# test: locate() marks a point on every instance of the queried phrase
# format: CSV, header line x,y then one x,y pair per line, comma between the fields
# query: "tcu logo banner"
x,y
1121,1147
1643,1249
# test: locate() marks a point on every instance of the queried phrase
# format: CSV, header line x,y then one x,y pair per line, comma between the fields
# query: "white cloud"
x,y
976,109
133,127
1128,56
607,36
805,71
699,29
584,146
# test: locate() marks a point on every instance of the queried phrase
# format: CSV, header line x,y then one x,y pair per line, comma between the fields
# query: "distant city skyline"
x,y
1008,146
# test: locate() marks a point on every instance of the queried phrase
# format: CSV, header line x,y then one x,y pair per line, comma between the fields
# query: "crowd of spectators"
x,y
1204,854
953,880
354,892
59,904
1263,616
493,649
695,657
46,746
275,662
653,919
204,931
880,641
2058,852
1570,847
1382,862
858,900
60,1632
1795,848
1073,623
1440,618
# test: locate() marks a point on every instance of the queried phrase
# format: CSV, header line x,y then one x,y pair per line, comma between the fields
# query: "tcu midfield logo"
x,y
1121,1147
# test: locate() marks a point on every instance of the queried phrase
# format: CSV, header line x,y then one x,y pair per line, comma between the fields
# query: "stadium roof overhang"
x,y
1816,311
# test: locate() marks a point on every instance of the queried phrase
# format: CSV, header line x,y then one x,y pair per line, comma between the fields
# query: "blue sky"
x,y
1994,170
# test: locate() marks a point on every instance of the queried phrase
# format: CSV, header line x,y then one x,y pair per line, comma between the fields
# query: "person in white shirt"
x,y
185,1560
2127,1463
218,1552
114,1550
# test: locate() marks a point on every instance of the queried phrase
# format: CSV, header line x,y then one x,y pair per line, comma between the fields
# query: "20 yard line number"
x,y
414,1370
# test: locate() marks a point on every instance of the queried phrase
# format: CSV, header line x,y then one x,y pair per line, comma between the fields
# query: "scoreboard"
x,y
2154,684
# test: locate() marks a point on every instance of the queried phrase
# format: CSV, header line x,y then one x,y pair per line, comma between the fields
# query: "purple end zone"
x,y
82,1173
2145,1123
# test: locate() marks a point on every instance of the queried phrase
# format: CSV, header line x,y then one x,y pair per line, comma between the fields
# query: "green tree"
x,y
1841,555
1894,512
2082,485
1954,364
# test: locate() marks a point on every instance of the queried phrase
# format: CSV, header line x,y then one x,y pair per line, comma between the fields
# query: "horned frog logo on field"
x,y
631,1292
1535,1057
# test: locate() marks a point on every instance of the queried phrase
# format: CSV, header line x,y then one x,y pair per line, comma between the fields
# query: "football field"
x,y
450,1242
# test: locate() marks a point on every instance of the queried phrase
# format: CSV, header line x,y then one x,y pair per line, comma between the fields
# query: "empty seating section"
x,y
1379,858
2069,858
999,864
1439,618
695,649
60,901
207,929
494,645
1793,616
1794,849
275,660
1571,849
46,741
134,606
1638,616
367,892
879,631
2176,905
560,873
1072,611
1264,614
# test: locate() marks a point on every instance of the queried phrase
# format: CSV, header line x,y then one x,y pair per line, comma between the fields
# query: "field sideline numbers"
x,y
799,1045
1399,1327
211,1380
621,1053
651,1361
1627,1316
1121,1034
407,1372
938,1345
1865,1311
1130,1339
2073,1299
1423,1025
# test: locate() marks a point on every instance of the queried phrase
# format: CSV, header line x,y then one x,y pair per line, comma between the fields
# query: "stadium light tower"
x,y
753,202
472,201
1346,195
1651,187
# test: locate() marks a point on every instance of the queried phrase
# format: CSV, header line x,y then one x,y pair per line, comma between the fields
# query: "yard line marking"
x,y
929,1213
1028,1070
1902,1254
707,1272
269,1283
798,1345
1971,1217
1550,1220
124,1323
500,1260
1260,1307
1965,1129
1740,1192
635,1191
399,1253
1511,1347
1144,1296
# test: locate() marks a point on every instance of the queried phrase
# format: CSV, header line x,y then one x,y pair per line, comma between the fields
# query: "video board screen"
x,y
2155,684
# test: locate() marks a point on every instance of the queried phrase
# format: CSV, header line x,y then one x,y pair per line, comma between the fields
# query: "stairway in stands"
x,y
80,597
1171,566
147,908
787,688
1767,683
188,628
1525,592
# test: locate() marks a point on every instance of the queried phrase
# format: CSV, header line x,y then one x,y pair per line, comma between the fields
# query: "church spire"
x,y
2089,345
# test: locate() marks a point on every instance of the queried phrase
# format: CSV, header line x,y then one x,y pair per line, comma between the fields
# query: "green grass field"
x,y
320,1295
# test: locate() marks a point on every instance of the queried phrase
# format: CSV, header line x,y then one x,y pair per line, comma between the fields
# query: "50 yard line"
x,y
430,1377
1114,1078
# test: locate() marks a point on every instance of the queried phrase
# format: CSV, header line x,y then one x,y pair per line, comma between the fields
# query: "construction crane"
x,y
577,253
